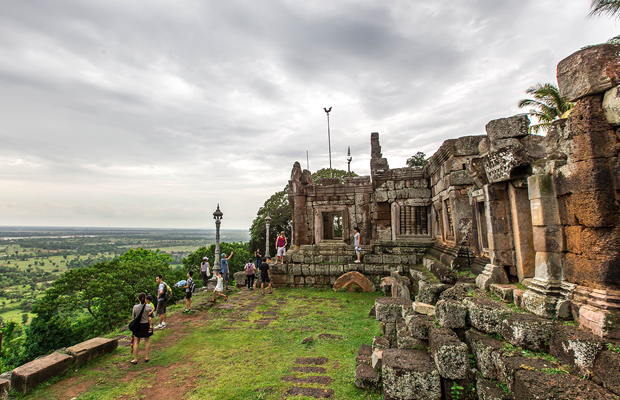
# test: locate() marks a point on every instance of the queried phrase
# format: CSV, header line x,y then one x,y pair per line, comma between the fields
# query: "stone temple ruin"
x,y
534,219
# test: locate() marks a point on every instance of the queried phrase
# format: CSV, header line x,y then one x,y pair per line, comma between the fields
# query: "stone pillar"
x,y
543,296
500,238
522,230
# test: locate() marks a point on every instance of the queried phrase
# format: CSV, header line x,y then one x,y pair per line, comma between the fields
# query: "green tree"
x,y
417,160
547,105
241,253
88,301
605,7
279,209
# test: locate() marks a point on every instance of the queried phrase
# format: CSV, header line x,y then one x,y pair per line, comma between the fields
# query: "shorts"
x,y
358,250
161,307
265,278
188,295
225,276
281,251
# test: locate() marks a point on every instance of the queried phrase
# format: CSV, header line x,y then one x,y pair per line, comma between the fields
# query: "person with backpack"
x,y
250,269
190,286
163,293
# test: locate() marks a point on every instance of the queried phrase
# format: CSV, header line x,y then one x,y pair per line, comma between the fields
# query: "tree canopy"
x,y
417,160
547,105
606,7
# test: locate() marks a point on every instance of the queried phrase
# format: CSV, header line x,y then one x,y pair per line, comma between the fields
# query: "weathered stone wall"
x,y
512,206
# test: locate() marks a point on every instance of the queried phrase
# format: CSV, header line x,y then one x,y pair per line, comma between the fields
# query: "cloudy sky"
x,y
150,113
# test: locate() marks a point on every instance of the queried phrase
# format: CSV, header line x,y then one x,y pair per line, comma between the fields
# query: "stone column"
x,y
522,230
543,296
498,231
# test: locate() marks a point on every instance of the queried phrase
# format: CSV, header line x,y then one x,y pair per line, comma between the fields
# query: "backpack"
x,y
167,291
248,269
192,286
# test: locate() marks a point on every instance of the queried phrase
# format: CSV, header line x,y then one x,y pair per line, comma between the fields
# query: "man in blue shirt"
x,y
225,267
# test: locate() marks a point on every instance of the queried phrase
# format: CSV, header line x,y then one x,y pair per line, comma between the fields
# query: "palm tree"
x,y
601,7
547,105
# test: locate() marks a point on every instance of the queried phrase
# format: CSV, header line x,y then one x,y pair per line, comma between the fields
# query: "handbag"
x,y
135,323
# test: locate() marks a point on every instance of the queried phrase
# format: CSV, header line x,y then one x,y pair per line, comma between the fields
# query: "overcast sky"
x,y
150,113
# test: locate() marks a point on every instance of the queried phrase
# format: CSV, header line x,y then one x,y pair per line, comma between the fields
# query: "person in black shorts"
x,y
265,275
188,292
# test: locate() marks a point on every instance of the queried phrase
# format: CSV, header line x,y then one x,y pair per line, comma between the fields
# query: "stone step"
x,y
31,374
409,374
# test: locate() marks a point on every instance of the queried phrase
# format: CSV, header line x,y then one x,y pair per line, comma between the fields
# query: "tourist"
x,y
358,244
281,246
219,288
204,271
224,264
250,269
259,259
162,302
145,328
265,275
189,288
149,300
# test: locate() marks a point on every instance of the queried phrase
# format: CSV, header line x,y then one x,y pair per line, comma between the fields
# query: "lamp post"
x,y
329,142
267,222
349,159
217,216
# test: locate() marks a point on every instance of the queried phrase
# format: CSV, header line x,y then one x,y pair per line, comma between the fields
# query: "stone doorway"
x,y
332,226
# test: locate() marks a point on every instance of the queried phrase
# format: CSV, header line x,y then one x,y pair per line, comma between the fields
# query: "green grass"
x,y
207,362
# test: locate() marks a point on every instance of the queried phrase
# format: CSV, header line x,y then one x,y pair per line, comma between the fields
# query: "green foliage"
x,y
456,391
336,173
547,105
606,7
240,256
89,301
417,160
613,347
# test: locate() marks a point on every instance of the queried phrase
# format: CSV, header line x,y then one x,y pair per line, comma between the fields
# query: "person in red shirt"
x,y
281,246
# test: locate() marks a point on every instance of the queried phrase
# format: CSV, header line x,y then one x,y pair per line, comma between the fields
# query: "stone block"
x,y
336,270
517,295
423,308
405,340
486,315
589,71
458,292
600,241
409,375
449,353
352,280
240,278
366,377
418,325
364,355
575,347
429,292
549,238
594,273
606,371
488,390
611,106
441,272
376,358
604,323
549,266
527,331
508,363
491,274
511,127
601,144
451,314
379,342
545,211
5,386
40,370
389,309
90,349
483,348
504,292
540,186
530,384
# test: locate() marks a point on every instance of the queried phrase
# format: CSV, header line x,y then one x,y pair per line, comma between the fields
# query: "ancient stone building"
x,y
509,206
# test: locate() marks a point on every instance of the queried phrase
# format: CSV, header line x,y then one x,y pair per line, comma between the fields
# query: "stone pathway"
x,y
323,380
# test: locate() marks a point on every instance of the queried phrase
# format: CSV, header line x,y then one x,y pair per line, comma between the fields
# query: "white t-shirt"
x,y
357,239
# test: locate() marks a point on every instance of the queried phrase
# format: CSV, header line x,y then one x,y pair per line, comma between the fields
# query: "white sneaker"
x,y
163,324
158,326
357,261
